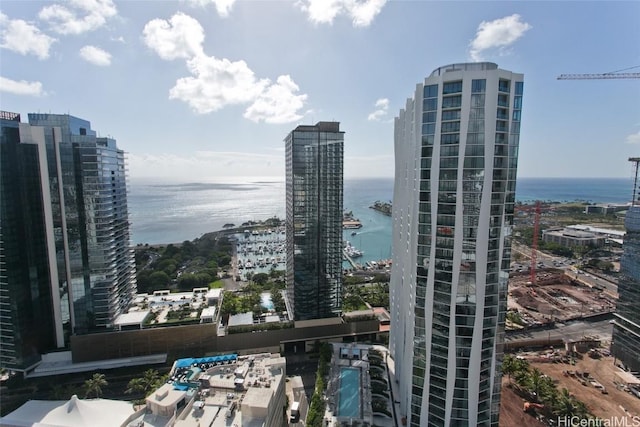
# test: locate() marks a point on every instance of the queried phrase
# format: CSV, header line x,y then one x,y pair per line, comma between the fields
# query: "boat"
x,y
353,233
351,224
352,251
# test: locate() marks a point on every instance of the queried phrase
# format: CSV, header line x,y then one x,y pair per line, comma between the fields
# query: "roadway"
x,y
573,330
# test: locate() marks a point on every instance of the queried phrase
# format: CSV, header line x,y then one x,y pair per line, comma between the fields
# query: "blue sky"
x,y
202,89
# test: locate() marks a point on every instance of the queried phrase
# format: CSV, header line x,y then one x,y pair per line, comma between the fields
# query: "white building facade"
x,y
456,149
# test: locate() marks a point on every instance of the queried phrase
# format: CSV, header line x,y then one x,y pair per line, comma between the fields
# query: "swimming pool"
x,y
349,396
265,300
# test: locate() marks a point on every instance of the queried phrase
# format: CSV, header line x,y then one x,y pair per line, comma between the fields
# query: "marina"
x,y
259,251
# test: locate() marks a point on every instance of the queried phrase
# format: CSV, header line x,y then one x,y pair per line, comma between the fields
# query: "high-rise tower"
x,y
456,145
30,312
314,162
625,344
65,230
87,179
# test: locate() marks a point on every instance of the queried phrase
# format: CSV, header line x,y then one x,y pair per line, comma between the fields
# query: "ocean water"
x,y
170,212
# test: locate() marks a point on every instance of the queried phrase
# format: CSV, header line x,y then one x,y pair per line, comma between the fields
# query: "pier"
x,y
350,260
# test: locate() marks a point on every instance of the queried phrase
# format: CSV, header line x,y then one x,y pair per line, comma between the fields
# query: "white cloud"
x,y
78,16
180,37
500,33
278,103
223,7
382,109
361,12
96,56
21,87
216,83
24,38
634,138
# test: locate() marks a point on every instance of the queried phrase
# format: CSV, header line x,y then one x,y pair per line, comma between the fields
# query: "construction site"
x,y
554,296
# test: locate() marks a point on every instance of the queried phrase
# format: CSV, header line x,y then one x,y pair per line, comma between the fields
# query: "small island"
x,y
382,207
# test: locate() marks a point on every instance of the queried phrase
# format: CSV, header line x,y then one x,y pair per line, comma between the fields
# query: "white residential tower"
x,y
456,150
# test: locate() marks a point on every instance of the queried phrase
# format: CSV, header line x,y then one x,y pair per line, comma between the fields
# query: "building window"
x,y
503,85
452,87
429,129
517,102
431,91
450,115
448,127
429,117
452,101
478,86
430,104
519,88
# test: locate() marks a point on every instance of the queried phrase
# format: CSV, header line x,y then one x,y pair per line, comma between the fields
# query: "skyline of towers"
x,y
456,144
79,181
314,191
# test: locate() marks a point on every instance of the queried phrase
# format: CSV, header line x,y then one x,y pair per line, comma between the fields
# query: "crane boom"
x,y
534,243
599,76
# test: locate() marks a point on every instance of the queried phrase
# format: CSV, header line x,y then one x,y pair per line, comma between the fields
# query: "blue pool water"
x,y
349,397
265,300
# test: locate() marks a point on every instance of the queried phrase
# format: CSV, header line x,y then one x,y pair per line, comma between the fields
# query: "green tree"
x,y
229,304
94,385
149,381
143,280
159,279
537,384
260,279
277,300
170,251
509,366
166,265
188,281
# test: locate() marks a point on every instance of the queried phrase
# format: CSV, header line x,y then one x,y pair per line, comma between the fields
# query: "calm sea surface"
x,y
166,212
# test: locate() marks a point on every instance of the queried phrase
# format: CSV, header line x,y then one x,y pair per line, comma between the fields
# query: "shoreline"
x,y
265,223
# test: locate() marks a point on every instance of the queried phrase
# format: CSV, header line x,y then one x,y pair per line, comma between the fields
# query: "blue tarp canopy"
x,y
189,361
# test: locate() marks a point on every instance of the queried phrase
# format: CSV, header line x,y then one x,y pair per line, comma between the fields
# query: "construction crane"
x,y
610,75
534,243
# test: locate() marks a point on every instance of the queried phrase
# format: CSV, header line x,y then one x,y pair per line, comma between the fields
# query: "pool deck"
x,y
338,362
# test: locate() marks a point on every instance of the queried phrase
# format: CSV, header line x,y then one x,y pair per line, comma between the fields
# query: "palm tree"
x,y
509,366
564,406
94,385
521,372
149,381
536,382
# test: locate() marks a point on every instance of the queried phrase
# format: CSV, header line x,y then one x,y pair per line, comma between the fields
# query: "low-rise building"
x,y
221,391
572,238
605,209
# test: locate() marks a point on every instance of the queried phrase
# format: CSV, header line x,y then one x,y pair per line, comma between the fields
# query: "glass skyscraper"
x,y
66,265
29,297
625,344
456,151
314,165
87,180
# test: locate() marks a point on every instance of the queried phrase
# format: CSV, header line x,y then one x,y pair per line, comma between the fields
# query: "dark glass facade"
x,y
27,324
87,180
314,165
626,330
